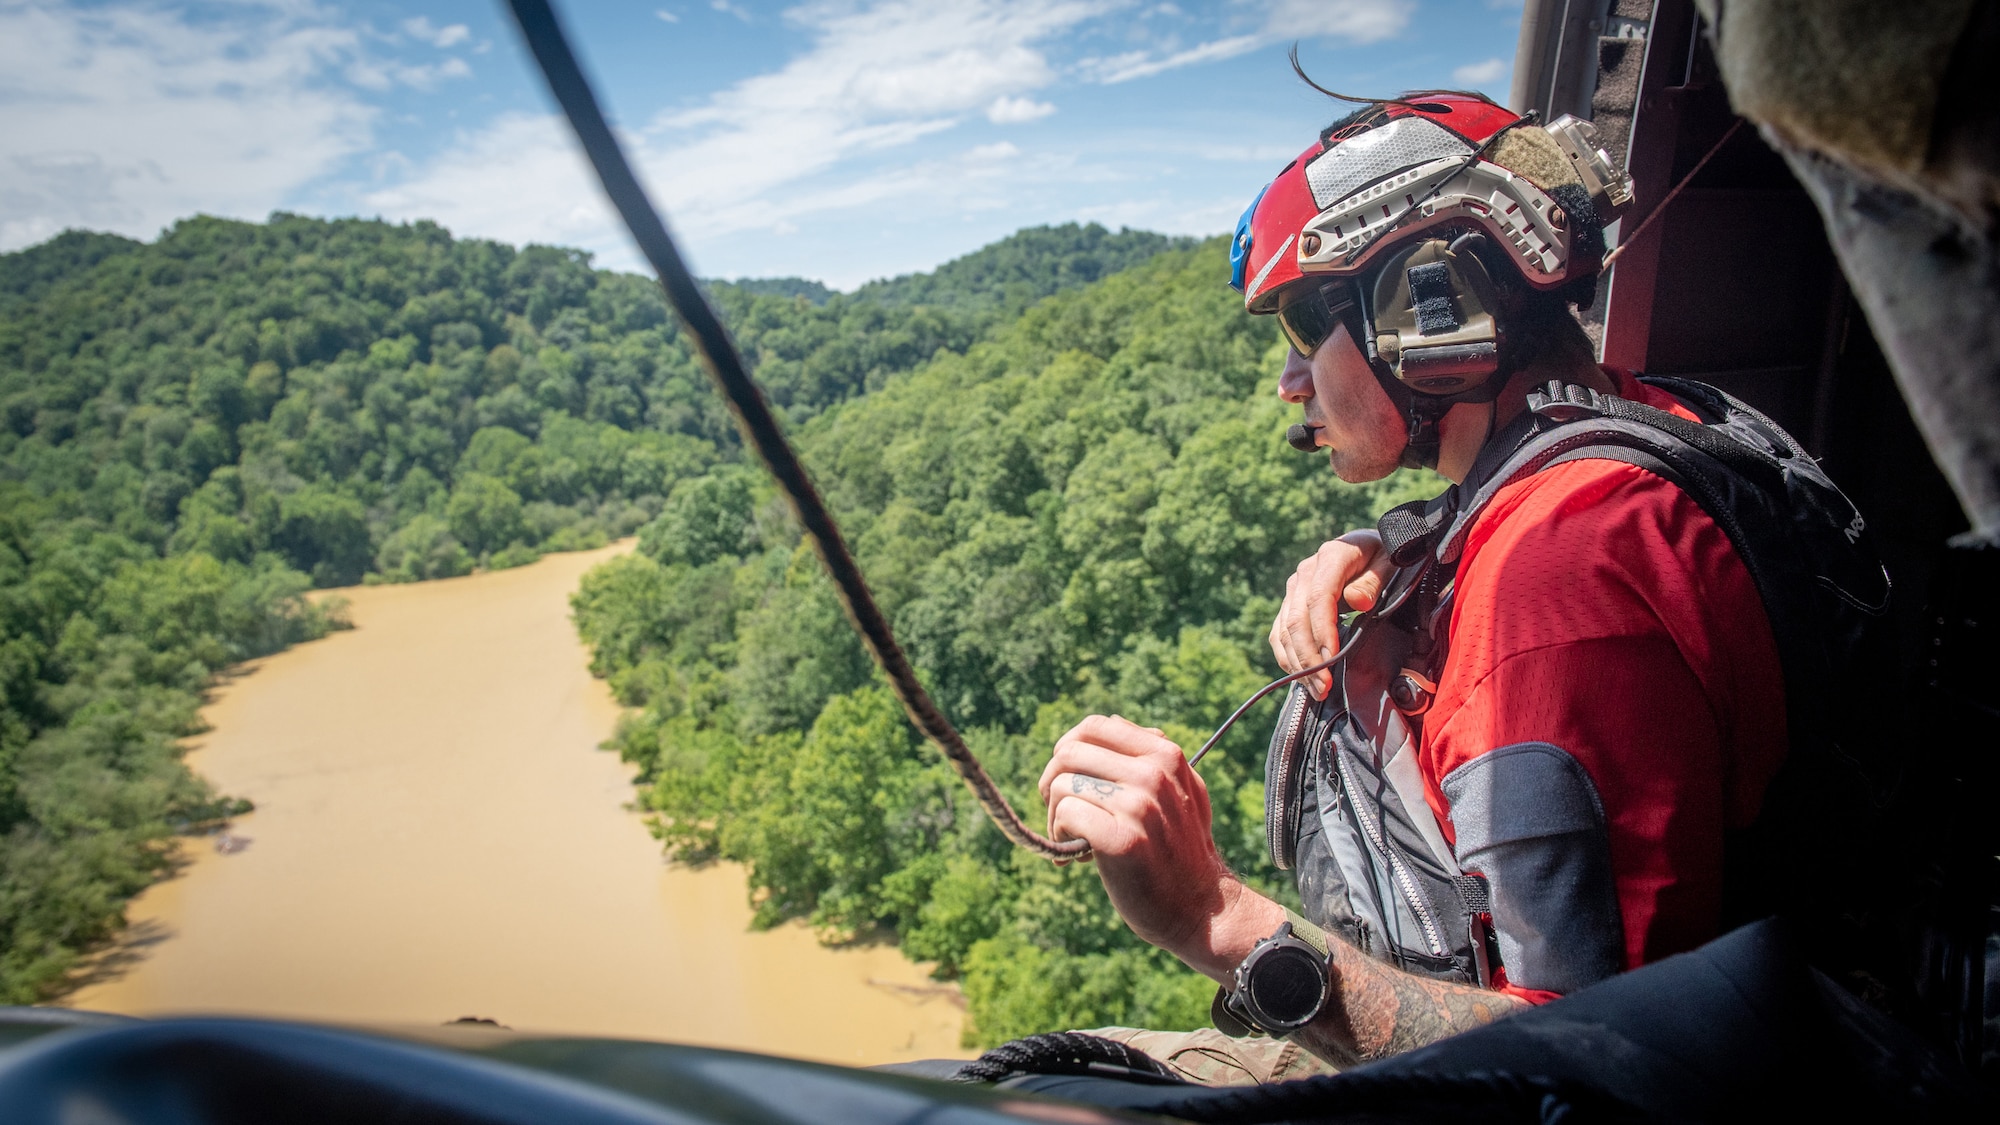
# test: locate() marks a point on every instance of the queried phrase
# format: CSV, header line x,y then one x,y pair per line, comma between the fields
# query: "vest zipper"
x,y
1397,871
1293,718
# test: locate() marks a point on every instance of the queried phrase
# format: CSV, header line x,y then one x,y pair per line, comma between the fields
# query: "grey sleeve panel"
x,y
1528,818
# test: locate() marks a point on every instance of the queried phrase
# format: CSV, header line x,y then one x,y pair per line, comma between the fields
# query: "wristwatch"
x,y
1280,986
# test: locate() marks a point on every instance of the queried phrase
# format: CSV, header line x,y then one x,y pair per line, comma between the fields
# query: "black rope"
x,y
718,354
1066,1052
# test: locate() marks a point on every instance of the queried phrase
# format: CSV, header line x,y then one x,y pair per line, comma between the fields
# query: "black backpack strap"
x,y
1408,530
1411,531
1564,402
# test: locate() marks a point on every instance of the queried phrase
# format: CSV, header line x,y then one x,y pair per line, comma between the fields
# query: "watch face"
x,y
1286,986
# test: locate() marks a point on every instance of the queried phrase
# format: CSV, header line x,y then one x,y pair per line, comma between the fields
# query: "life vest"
x,y
1344,801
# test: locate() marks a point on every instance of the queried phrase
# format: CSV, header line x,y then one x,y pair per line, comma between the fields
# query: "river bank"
x,y
437,836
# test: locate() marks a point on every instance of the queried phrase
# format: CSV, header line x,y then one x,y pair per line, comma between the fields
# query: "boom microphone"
x,y
1299,436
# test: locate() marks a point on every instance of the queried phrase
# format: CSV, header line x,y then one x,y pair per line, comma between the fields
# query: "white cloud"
x,y
1003,150
1015,111
439,37
384,74
729,9
804,139
1356,21
1137,64
1242,153
1481,73
126,117
666,16
521,178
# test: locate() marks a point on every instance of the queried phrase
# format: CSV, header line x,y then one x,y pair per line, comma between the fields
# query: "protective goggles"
x,y
1310,315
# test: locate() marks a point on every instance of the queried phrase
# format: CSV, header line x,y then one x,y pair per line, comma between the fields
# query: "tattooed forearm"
x,y
1080,784
1377,1010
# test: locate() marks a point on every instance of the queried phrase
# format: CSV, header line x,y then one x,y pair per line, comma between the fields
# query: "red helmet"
x,y
1403,215
1420,162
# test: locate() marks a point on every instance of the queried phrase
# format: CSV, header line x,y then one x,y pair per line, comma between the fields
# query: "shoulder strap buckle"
x,y
1409,530
1567,402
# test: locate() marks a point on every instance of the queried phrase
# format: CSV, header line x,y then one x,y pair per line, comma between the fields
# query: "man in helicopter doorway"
x,y
1519,778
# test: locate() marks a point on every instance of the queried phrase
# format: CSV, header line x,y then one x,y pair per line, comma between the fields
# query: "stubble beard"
x,y
1358,460
1355,469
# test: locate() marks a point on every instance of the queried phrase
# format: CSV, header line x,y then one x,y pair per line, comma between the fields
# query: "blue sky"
x,y
835,139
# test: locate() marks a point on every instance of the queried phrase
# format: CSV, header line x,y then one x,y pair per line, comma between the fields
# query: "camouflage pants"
x,y
1211,1058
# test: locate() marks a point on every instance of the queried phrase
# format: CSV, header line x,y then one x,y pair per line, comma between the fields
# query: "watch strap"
x,y
1223,1015
1306,932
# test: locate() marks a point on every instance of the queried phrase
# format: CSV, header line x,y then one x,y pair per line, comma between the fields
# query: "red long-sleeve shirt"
x,y
1600,610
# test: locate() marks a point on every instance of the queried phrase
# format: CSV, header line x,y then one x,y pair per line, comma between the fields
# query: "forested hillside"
x,y
1002,280
1092,509
195,431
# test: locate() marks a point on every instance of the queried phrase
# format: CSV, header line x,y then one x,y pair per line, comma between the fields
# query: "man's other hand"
x,y
1346,573
1129,791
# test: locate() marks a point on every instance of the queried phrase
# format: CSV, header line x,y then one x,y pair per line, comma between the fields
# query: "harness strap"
x,y
1567,402
1408,530
1474,893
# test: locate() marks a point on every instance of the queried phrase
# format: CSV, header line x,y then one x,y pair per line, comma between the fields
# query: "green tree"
x,y
484,514
324,534
422,549
706,518
505,456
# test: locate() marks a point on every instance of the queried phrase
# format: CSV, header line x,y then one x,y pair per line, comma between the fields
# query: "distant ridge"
x,y
1015,272
806,287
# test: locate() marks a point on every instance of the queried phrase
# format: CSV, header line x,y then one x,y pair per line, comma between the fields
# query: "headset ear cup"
x,y
1437,317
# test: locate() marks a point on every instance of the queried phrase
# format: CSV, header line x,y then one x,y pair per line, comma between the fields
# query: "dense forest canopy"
x,y
1092,509
195,431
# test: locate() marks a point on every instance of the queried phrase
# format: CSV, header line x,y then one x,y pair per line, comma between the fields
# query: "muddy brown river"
x,y
437,836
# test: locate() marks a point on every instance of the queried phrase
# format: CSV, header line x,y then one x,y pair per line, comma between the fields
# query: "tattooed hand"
x,y
1129,791
1079,785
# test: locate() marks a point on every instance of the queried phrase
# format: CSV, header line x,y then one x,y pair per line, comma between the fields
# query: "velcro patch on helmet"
x,y
1430,298
1376,154
1536,155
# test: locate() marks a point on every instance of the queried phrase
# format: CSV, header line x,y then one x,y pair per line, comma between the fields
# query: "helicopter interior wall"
x,y
1744,283
1747,296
